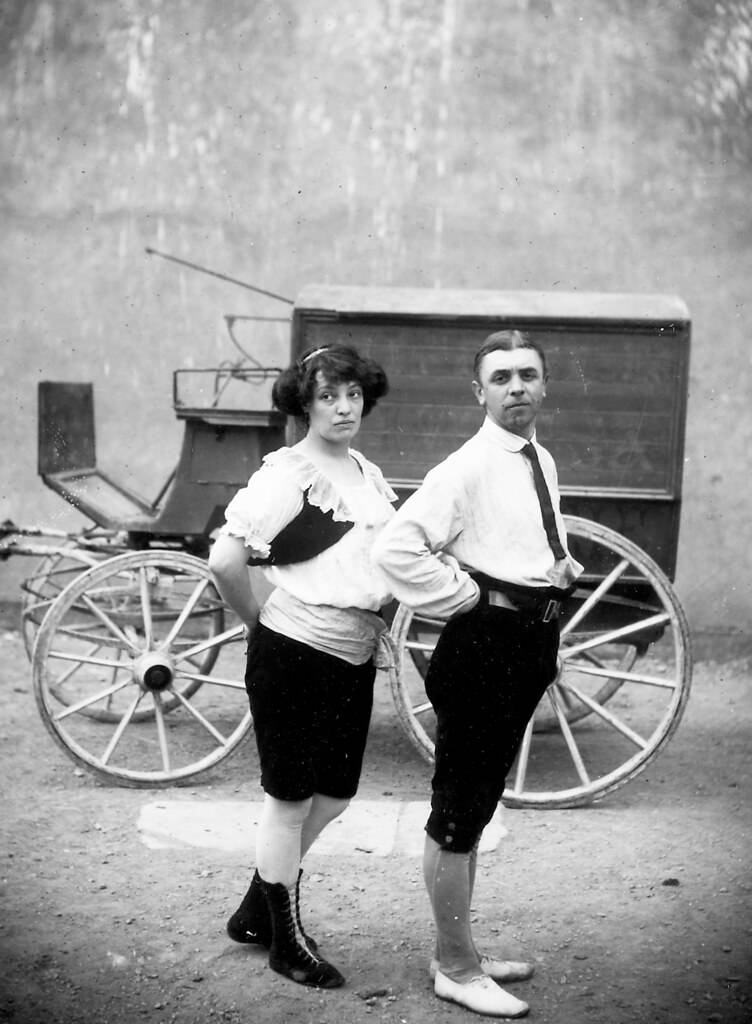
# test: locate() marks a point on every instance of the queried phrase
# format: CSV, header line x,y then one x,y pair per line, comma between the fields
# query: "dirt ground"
x,y
636,910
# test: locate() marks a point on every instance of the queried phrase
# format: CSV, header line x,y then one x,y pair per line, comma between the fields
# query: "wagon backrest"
x,y
66,427
615,410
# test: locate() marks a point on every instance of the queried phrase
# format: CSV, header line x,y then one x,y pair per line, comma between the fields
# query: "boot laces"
x,y
300,939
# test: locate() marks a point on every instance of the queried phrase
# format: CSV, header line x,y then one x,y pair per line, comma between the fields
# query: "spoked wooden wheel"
x,y
52,575
49,578
621,687
423,632
141,636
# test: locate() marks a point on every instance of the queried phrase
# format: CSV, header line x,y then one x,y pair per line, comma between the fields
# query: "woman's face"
x,y
335,410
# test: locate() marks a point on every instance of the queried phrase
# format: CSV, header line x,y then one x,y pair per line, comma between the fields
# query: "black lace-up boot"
x,y
311,943
290,954
251,922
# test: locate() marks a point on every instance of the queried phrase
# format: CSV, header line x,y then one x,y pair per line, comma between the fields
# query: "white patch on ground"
x,y
374,827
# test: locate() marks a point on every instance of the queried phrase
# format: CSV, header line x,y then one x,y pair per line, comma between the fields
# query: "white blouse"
x,y
329,601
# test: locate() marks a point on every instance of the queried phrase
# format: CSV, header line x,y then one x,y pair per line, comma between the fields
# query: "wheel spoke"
x,y
213,641
187,609
422,708
198,677
522,758
84,634
34,607
146,608
425,620
83,659
196,661
87,702
608,716
416,645
161,731
121,727
113,677
615,673
615,635
593,659
590,602
41,590
568,702
107,621
200,718
569,739
65,676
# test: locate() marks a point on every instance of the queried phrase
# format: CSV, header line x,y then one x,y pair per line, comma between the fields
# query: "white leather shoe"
x,y
506,970
499,970
481,995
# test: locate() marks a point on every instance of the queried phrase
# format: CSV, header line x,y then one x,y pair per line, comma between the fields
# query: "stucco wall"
x,y
548,145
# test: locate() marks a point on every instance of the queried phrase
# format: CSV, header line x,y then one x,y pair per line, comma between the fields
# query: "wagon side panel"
x,y
614,417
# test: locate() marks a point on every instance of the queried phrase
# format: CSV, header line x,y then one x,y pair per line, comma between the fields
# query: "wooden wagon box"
x,y
615,411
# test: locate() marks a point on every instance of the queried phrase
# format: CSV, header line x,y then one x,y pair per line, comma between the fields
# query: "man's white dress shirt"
x,y
477,510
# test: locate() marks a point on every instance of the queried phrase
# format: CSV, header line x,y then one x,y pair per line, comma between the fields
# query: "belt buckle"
x,y
552,610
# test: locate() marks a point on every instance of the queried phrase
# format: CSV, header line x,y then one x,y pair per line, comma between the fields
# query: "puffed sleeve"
x,y
269,501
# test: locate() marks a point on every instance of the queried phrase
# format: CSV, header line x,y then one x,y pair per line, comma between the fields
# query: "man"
x,y
482,544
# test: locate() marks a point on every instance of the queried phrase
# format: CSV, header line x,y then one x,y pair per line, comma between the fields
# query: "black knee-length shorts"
x,y
490,668
311,713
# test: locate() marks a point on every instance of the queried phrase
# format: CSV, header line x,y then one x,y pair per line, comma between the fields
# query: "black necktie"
x,y
544,499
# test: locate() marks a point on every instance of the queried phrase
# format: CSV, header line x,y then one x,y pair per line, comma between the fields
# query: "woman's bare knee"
x,y
328,807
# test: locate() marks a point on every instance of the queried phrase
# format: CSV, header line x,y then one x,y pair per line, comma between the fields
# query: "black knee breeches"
x,y
486,676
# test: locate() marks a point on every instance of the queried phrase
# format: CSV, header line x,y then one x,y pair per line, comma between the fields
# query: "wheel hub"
x,y
153,671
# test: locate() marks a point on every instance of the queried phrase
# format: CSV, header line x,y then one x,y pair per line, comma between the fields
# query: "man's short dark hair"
x,y
506,341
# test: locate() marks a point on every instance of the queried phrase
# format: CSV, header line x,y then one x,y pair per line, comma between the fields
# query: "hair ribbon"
x,y
316,352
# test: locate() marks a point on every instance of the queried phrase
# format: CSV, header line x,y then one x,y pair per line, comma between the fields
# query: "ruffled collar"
x,y
321,491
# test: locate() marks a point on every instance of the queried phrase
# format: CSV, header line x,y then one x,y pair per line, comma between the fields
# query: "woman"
x,y
309,515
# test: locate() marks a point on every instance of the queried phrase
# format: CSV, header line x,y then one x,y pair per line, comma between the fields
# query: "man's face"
x,y
511,389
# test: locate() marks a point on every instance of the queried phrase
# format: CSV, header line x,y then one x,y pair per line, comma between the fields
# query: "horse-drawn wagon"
x,y
137,668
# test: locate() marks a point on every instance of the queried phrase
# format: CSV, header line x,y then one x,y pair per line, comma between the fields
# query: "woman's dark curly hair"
x,y
292,392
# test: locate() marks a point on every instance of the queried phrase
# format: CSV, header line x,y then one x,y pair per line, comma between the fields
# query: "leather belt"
x,y
500,600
